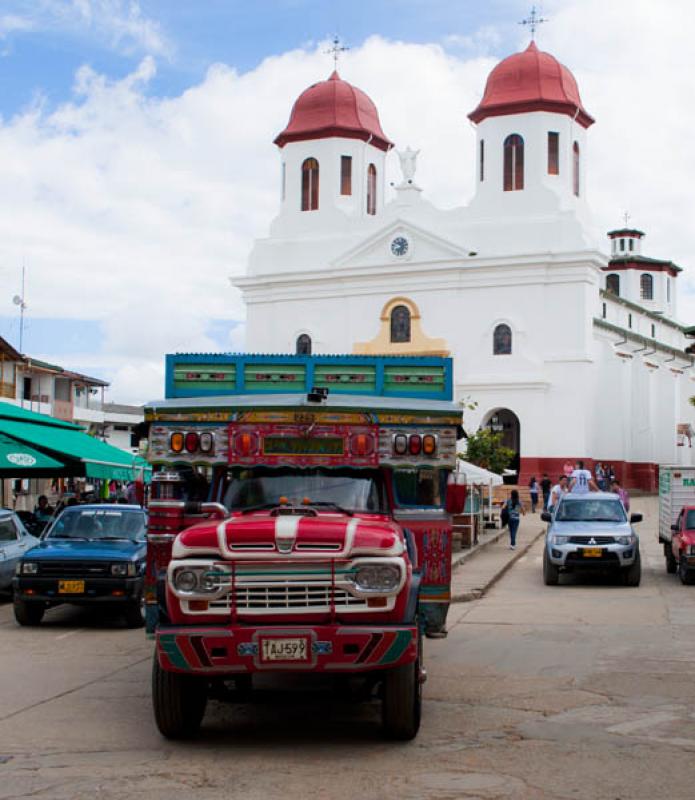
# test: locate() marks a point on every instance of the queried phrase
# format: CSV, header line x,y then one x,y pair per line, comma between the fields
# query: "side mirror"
x,y
674,527
635,518
546,516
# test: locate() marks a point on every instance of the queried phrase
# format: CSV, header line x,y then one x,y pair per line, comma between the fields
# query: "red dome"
x,y
531,81
334,108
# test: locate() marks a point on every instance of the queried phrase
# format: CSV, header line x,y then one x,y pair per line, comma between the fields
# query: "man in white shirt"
x,y
581,481
560,488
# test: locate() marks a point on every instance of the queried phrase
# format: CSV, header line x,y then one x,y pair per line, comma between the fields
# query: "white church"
x,y
571,351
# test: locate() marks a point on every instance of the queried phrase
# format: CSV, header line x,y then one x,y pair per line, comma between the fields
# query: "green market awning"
x,y
80,453
18,460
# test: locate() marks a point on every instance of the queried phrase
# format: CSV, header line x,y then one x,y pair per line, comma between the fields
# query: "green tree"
x,y
485,449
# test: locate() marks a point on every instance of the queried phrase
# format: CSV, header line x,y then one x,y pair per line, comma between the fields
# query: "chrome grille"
x,y
298,596
591,540
80,569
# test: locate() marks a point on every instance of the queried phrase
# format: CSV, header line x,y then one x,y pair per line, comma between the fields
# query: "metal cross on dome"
x,y
626,217
533,21
336,49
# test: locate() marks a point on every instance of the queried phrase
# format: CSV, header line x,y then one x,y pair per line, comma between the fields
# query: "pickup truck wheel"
x,y
686,575
551,573
134,613
179,702
27,612
671,563
401,705
633,574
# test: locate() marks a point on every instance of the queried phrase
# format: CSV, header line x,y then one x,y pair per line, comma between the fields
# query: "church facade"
x,y
570,351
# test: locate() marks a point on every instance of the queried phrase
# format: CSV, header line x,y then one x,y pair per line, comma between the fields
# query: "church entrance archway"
x,y
506,422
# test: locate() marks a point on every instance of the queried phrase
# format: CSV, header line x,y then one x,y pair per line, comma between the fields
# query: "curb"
x,y
468,554
476,594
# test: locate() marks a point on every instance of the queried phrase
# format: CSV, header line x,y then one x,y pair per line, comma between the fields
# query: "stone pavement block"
x,y
477,571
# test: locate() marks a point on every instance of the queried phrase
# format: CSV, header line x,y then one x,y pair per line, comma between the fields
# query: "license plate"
x,y
284,650
70,587
592,552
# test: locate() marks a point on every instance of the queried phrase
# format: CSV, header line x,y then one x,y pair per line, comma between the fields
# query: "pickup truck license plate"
x,y
592,552
70,587
284,650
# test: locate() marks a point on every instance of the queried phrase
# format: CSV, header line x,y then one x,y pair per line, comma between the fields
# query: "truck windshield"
x,y
587,510
354,490
107,523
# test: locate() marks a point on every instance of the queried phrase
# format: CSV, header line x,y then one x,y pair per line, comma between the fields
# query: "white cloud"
x,y
118,24
134,210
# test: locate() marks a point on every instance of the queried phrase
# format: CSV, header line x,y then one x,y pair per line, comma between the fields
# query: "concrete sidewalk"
x,y
475,571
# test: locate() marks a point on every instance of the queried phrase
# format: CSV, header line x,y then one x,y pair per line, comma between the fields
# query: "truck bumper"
x,y
231,650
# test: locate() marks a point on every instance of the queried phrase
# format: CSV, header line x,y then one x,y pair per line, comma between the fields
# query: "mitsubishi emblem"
x,y
592,540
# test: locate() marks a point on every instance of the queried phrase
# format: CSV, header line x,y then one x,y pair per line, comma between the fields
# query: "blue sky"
x,y
46,41
137,164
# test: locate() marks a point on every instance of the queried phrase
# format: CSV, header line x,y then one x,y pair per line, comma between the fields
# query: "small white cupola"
x,y
333,154
626,242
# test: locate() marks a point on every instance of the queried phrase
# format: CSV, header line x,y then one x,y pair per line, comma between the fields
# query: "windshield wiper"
x,y
260,507
329,504
114,539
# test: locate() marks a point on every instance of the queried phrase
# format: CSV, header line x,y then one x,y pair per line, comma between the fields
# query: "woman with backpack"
x,y
514,509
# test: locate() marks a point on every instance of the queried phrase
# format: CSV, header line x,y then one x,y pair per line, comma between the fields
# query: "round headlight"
x,y
186,580
377,577
208,582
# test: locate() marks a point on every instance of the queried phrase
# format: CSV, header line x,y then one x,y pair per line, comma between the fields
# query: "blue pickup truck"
x,y
90,554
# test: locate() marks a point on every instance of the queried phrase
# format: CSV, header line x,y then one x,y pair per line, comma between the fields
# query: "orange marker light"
x,y
283,500
429,445
176,442
198,605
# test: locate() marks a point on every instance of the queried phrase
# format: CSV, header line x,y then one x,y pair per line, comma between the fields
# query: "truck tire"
x,y
633,574
671,563
401,705
179,702
27,612
686,575
134,613
551,573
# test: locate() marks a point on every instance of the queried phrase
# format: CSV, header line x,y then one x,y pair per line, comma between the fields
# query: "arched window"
x,y
613,284
575,168
371,189
400,324
646,286
502,341
513,163
310,185
303,347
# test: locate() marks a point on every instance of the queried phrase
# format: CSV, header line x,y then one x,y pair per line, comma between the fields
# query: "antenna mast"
x,y
18,300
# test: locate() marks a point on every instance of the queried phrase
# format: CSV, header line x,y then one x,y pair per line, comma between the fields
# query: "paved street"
x,y
579,691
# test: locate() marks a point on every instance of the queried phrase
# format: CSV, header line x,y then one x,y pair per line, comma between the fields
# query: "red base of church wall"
x,y
631,474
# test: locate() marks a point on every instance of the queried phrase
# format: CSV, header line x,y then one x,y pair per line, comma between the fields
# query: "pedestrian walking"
x,y
616,488
514,509
533,492
546,485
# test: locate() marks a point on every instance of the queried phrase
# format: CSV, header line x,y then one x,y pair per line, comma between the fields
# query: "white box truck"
x,y
677,492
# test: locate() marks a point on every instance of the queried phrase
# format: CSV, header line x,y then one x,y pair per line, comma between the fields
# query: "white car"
x,y
591,532
15,540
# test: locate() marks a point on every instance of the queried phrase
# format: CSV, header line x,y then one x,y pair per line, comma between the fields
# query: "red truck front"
x,y
298,533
